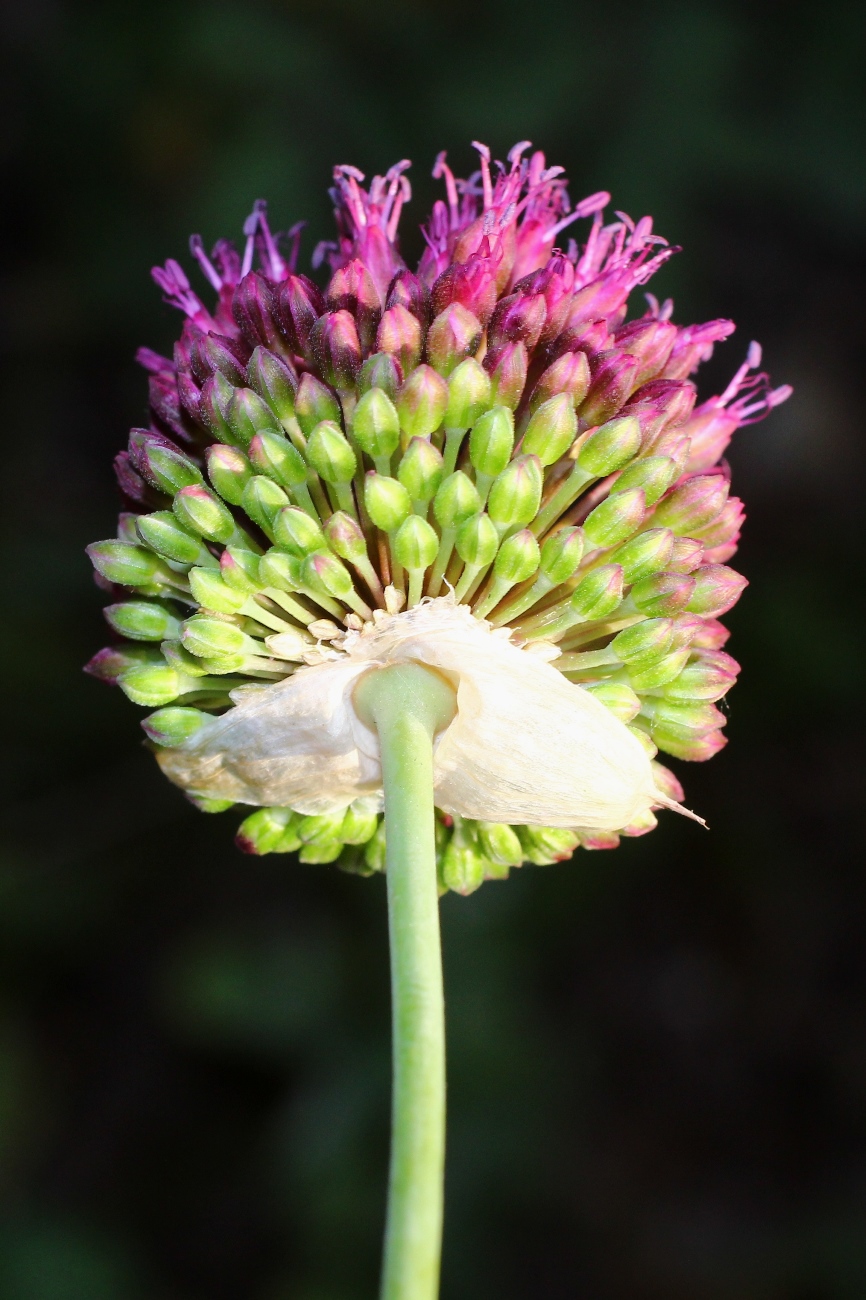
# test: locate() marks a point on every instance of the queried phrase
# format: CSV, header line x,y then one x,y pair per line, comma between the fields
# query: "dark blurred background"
x,y
658,1055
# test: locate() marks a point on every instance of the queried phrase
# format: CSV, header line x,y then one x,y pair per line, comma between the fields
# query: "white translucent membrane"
x,y
526,746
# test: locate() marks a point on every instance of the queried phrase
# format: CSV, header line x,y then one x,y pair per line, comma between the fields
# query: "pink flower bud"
x,y
651,342
301,305
692,504
472,284
612,382
454,335
336,347
400,335
569,374
717,589
507,368
518,319
406,290
256,311
352,289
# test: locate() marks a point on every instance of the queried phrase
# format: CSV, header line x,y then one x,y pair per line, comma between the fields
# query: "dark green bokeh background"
x,y
657,1056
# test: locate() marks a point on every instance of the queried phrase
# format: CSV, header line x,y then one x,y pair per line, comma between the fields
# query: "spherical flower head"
x,y
480,465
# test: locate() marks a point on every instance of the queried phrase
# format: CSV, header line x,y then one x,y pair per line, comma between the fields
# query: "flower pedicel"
x,y
459,533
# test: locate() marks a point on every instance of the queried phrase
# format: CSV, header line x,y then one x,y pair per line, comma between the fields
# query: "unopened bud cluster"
x,y
490,424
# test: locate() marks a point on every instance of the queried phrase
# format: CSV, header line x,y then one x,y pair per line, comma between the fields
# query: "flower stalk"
x,y
408,704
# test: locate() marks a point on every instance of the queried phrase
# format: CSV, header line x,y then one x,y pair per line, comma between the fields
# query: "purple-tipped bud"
x,y
249,415
422,402
314,403
203,513
263,831
491,442
454,335
400,335
507,368
519,318
274,381
218,353
686,555
551,430
352,290
110,664
324,572
555,282
516,493
693,504
190,397
598,594
661,404
165,404
650,341
406,290
216,396
613,380
721,536
167,470
717,589
256,310
472,284
345,537
420,470
132,485
702,680
337,348
561,554
569,374
228,470
663,594
469,395
301,304
239,569
380,371
273,455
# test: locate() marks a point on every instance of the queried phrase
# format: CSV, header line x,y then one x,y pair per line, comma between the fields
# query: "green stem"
x,y
408,704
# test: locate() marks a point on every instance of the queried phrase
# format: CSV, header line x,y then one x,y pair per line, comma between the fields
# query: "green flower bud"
x,y
209,591
516,493
240,570
469,395
663,593
344,535
415,544
517,558
274,456
216,397
272,379
321,828
693,504
199,510
262,500
462,867
374,853
153,684
561,554
619,698
686,555
281,570
359,823
166,469
652,473
703,680
477,541
323,571
544,845
180,659
453,336
681,719
376,425
552,429
264,830
213,638
611,446
400,334
229,471
387,501
507,372
209,805
598,594
616,518
249,415
491,442
173,726
420,470
297,533
128,565
109,664
315,403
643,641
645,554
321,851
329,453
421,402
142,620
379,371
456,501
500,844
656,673
163,534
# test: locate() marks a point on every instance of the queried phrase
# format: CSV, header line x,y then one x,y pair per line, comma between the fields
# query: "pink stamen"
x,y
196,247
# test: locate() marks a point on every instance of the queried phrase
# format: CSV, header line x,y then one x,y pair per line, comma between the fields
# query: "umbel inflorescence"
x,y
481,465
